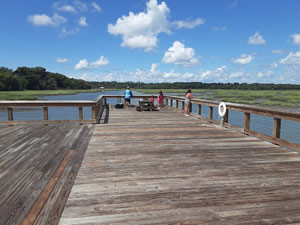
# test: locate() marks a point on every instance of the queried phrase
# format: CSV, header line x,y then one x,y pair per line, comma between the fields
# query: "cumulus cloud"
x,y
244,59
296,39
82,21
292,58
179,55
83,64
219,28
256,39
62,60
141,30
102,61
80,6
96,7
67,8
189,24
45,20
213,74
277,51
67,32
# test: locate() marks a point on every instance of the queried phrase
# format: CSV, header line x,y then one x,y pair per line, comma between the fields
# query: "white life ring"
x,y
222,109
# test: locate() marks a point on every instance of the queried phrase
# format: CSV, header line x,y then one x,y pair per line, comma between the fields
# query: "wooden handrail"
x,y
96,105
276,114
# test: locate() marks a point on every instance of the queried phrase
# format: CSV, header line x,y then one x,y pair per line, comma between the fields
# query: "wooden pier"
x,y
151,167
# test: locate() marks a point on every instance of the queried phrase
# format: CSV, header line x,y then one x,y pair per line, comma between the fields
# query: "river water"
x,y
290,130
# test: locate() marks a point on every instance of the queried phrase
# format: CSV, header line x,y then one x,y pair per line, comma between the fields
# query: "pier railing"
x,y
248,110
96,106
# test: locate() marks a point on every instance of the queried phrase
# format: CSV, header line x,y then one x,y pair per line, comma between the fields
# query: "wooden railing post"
x,y
167,101
93,112
199,109
182,105
246,121
211,111
191,107
171,103
10,114
226,117
176,103
80,113
276,128
45,110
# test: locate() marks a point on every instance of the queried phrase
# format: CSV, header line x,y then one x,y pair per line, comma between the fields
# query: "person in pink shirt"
x,y
160,99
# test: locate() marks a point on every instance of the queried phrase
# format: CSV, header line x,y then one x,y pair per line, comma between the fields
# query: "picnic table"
x,y
146,105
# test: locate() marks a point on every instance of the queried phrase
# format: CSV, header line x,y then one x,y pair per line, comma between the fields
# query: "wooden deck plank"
x,y
29,156
164,168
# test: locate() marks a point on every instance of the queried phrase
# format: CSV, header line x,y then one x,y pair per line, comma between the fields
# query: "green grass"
x,y
33,95
281,98
290,98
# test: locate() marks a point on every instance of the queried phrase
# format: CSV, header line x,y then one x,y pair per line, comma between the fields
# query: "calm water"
x,y
290,130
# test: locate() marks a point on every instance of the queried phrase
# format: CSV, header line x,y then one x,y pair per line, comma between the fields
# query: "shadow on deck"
x,y
148,168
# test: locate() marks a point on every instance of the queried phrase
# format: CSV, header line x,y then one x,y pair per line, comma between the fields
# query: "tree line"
x,y
37,78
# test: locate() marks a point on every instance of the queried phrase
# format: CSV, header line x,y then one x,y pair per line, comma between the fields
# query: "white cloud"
x,y
141,30
82,21
296,39
96,6
84,76
102,61
65,32
213,74
179,55
67,8
219,28
62,60
244,59
44,20
188,75
81,6
292,58
82,65
189,24
171,74
85,65
267,74
277,51
236,75
256,39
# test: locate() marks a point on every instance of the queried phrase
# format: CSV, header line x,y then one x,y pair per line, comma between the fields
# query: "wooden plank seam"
x,y
44,195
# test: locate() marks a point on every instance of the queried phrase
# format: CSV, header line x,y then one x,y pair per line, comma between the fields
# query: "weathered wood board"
x,y
29,156
164,168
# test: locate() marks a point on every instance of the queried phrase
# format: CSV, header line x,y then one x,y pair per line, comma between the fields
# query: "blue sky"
x,y
155,41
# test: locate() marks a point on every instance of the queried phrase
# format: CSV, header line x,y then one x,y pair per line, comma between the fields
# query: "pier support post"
x,y
276,127
211,111
45,112
94,113
171,102
10,114
80,113
182,105
176,104
246,121
226,117
199,109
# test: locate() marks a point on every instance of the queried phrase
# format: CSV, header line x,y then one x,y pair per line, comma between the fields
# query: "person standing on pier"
x,y
187,102
160,99
128,95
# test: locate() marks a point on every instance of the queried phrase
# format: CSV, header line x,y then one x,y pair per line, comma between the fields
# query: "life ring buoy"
x,y
222,109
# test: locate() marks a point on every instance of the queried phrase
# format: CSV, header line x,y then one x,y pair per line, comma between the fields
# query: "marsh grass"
x,y
282,98
33,95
